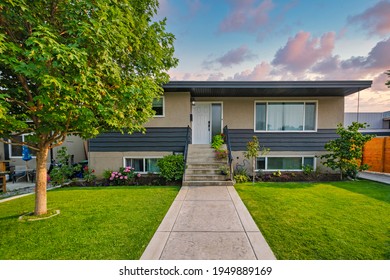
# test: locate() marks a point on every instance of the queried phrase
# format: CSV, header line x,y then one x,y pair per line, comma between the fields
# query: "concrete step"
x,y
207,183
206,161
203,172
205,177
203,166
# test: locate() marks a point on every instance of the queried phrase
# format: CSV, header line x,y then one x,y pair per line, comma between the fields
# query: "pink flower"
x,y
121,177
138,175
125,177
111,178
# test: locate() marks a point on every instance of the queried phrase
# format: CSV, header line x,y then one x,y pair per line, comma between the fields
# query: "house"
x,y
293,118
13,154
378,122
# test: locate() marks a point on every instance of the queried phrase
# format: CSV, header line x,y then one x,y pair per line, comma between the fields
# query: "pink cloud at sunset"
x,y
246,15
375,19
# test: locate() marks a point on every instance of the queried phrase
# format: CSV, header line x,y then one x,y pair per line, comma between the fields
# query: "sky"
x,y
287,40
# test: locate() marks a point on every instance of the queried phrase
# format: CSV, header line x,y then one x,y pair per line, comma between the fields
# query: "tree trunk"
x,y
253,170
41,182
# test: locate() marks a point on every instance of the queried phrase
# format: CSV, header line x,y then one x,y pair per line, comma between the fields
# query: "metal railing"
x,y
229,148
188,140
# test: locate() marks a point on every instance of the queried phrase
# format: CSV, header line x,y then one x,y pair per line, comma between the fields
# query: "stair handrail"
x,y
186,150
229,148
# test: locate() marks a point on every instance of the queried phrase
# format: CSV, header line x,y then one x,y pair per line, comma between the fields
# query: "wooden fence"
x,y
377,154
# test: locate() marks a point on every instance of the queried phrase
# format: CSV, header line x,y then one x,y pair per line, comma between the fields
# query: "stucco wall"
x,y
101,161
177,111
238,113
74,145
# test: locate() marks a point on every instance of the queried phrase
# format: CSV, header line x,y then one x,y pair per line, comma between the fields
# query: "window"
x,y
143,165
285,116
284,163
16,151
158,106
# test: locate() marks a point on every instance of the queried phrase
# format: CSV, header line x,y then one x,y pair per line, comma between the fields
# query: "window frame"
x,y
285,101
144,162
287,156
163,108
10,148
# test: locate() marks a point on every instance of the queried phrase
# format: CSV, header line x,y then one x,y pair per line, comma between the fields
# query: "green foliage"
x,y
307,169
171,167
63,171
240,178
79,67
241,175
224,169
107,174
217,141
346,152
89,175
253,150
221,154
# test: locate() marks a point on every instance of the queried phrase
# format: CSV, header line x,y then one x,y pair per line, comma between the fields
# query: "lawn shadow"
x,y
368,188
11,217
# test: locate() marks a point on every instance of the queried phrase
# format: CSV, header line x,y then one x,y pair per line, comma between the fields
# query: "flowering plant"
x,y
124,176
89,175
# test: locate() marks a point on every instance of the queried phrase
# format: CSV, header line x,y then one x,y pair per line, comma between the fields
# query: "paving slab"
x,y
375,176
208,223
208,245
208,216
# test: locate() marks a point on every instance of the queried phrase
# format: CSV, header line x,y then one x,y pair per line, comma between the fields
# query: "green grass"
x,y
338,220
95,223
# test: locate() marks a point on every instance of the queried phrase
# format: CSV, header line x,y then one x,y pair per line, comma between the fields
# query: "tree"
x,y
388,82
253,150
78,67
346,152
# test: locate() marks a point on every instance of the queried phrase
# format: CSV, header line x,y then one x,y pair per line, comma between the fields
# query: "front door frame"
x,y
210,117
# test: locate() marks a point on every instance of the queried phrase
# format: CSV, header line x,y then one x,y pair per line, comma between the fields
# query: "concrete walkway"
x,y
208,223
375,176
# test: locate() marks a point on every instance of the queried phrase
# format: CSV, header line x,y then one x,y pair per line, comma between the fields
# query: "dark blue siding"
x,y
155,139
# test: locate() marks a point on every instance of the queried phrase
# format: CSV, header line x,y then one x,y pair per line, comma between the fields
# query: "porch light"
x,y
192,101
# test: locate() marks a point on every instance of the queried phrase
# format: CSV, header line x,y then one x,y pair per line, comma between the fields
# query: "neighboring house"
x,y
378,123
293,119
13,154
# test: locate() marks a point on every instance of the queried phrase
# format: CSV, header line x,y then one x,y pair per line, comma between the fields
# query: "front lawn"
x,y
95,223
338,220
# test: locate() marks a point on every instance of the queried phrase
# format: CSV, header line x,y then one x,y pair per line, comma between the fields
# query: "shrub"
x,y
217,141
63,171
89,175
307,169
240,178
346,152
125,176
221,154
171,167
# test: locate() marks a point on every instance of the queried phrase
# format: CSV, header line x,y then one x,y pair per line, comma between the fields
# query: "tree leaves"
x,y
346,152
81,67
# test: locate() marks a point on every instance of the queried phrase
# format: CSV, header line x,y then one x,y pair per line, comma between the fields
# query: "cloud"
x,y
376,19
259,72
302,51
232,57
246,15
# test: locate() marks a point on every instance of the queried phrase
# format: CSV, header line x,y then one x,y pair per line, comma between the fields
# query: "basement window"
x,y
142,165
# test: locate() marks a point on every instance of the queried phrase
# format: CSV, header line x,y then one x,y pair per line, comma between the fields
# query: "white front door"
x,y
201,123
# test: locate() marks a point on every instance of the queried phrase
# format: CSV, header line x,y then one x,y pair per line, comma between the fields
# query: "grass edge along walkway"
x,y
329,221
103,223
